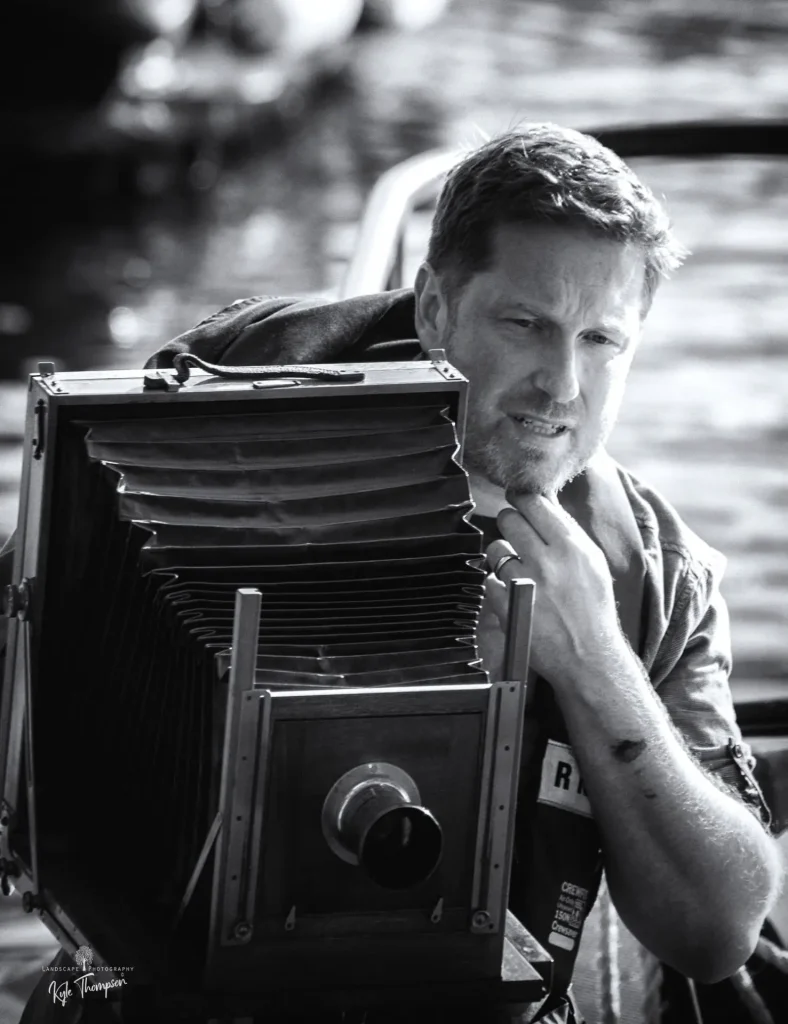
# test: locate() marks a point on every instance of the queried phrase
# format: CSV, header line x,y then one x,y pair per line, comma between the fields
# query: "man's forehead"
x,y
544,265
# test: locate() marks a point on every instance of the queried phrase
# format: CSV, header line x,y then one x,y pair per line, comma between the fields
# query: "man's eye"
x,y
599,339
523,322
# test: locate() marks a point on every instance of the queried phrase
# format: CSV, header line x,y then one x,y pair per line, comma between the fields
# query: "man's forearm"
x,y
691,871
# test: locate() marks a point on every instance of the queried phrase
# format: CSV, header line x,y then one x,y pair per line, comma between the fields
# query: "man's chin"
x,y
527,483
523,480
537,476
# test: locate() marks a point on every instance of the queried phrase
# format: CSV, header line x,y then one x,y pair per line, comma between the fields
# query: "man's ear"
x,y
432,311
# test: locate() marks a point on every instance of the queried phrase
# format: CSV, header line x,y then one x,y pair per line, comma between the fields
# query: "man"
x,y
544,258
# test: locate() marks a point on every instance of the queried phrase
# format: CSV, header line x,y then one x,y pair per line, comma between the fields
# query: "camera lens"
x,y
402,848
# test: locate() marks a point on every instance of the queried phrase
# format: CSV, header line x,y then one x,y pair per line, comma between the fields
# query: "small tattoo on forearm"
x,y
628,750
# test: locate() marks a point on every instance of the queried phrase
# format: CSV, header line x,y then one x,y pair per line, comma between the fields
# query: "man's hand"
x,y
575,619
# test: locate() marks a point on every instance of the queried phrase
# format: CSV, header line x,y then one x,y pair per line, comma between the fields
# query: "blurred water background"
x,y
102,284
99,284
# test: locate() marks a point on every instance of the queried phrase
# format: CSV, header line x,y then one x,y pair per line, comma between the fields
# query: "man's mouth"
x,y
542,427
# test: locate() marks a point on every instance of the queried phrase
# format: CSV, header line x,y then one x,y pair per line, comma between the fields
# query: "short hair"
x,y
544,172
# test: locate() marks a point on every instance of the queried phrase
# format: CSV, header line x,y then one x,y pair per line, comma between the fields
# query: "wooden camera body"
x,y
247,746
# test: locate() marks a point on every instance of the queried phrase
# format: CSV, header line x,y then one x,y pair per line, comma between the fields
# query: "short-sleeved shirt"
x,y
687,640
685,635
685,648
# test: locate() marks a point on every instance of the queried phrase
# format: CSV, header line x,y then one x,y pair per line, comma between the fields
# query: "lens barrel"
x,y
373,818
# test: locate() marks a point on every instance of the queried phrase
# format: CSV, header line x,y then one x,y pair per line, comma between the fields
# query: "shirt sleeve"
x,y
691,674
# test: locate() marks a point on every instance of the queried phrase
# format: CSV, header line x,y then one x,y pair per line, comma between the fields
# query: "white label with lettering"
x,y
561,785
569,916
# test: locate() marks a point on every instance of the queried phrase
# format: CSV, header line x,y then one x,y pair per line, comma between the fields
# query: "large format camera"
x,y
248,747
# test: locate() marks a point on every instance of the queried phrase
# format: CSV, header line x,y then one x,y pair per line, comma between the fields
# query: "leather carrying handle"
x,y
183,362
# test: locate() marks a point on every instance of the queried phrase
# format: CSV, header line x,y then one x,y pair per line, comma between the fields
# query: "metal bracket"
x,y
502,754
442,365
210,839
8,866
8,869
17,600
41,427
17,604
161,380
517,645
280,382
46,372
235,863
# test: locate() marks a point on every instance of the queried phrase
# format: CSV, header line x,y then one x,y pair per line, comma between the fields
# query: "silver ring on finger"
x,y
502,562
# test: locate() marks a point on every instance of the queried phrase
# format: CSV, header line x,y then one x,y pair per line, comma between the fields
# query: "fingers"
x,y
496,597
500,555
506,567
534,517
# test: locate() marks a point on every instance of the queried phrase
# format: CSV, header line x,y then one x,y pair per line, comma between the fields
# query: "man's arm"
x,y
692,872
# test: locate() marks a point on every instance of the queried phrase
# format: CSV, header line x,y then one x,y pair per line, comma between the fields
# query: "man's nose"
x,y
557,371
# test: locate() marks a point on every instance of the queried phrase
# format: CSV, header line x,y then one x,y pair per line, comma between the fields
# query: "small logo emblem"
x,y
83,957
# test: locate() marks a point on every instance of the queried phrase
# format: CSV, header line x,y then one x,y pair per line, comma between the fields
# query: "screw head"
x,y
242,930
480,919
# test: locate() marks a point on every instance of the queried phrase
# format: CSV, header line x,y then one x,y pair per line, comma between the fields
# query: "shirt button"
x,y
737,751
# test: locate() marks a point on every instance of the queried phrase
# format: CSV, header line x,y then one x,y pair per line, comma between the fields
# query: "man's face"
x,y
546,337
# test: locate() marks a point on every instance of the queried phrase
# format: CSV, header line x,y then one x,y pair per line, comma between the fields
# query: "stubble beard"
x,y
523,471
520,468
